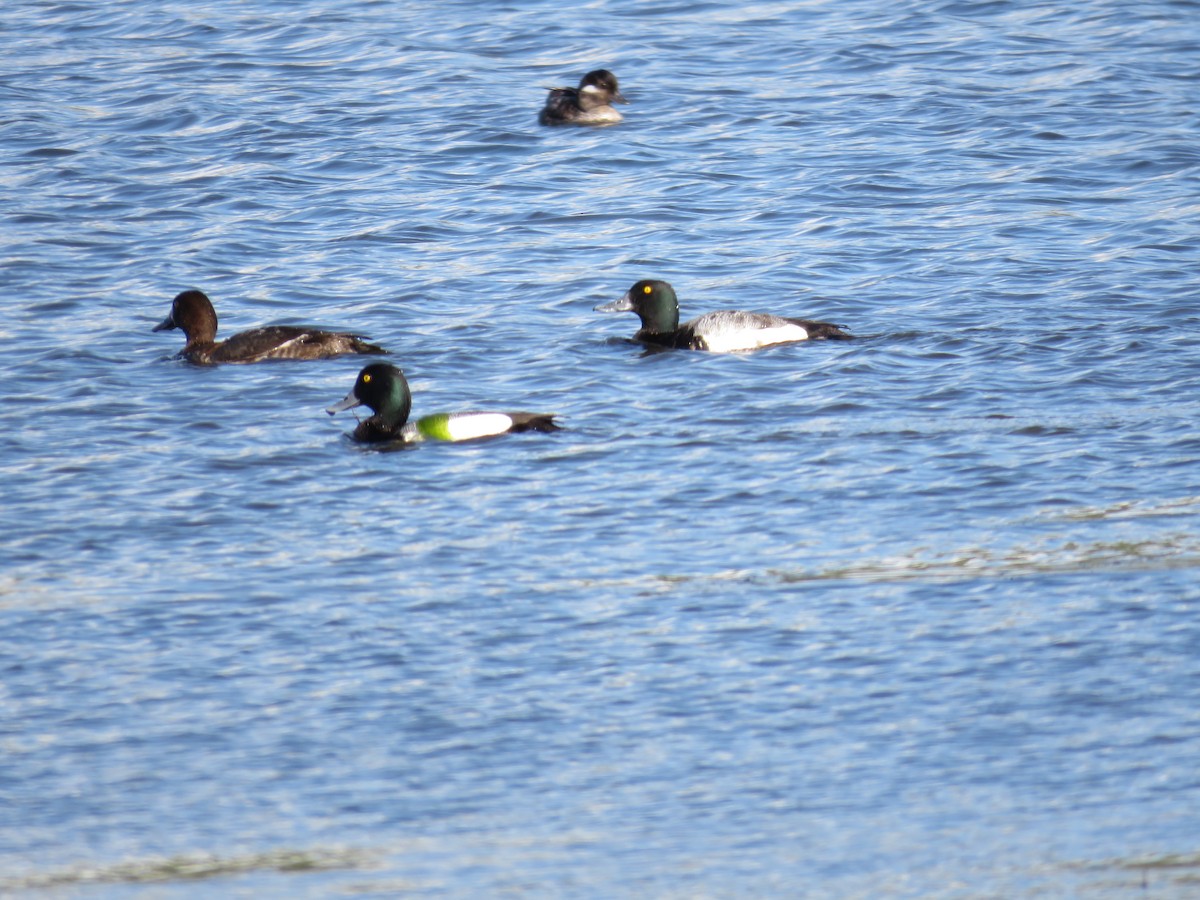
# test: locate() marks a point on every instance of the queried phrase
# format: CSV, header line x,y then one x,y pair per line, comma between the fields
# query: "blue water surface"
x,y
913,615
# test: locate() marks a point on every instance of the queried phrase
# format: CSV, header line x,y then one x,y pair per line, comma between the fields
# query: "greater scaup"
x,y
723,331
384,389
588,104
193,313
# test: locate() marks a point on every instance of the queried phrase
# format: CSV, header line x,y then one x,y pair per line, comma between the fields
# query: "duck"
x,y
192,312
588,104
723,331
384,390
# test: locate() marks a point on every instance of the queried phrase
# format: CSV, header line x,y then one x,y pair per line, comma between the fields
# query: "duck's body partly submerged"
x,y
588,104
384,389
723,331
193,313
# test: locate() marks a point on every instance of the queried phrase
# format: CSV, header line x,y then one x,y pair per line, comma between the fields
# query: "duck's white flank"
x,y
727,331
458,426
465,426
733,341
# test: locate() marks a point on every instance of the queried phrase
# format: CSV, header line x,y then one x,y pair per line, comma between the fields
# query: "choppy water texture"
x,y
910,616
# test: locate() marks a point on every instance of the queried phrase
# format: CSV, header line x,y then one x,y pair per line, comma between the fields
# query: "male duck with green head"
x,y
384,389
721,332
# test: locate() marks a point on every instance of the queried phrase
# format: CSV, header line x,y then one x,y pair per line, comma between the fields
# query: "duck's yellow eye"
x,y
366,379
646,289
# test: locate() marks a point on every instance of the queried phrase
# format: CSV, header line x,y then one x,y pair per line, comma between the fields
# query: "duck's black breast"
x,y
682,338
373,431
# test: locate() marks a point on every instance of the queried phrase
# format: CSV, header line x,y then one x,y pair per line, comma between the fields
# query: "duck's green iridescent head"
x,y
383,388
654,302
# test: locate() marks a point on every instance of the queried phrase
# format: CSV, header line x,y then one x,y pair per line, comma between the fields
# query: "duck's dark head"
x,y
599,88
654,302
384,390
191,312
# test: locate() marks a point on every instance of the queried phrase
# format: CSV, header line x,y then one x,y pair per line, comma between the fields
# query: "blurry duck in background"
x,y
588,104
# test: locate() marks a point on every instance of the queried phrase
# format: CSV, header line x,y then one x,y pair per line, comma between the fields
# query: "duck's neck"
x,y
199,326
388,421
589,100
199,345
662,317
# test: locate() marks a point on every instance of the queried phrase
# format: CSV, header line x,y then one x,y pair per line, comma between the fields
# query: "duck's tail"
x,y
527,421
827,331
359,345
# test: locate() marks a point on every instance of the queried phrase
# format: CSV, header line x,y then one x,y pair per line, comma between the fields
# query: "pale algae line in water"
x,y
355,867
1180,551
1134,509
1183,552
1181,871
195,867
